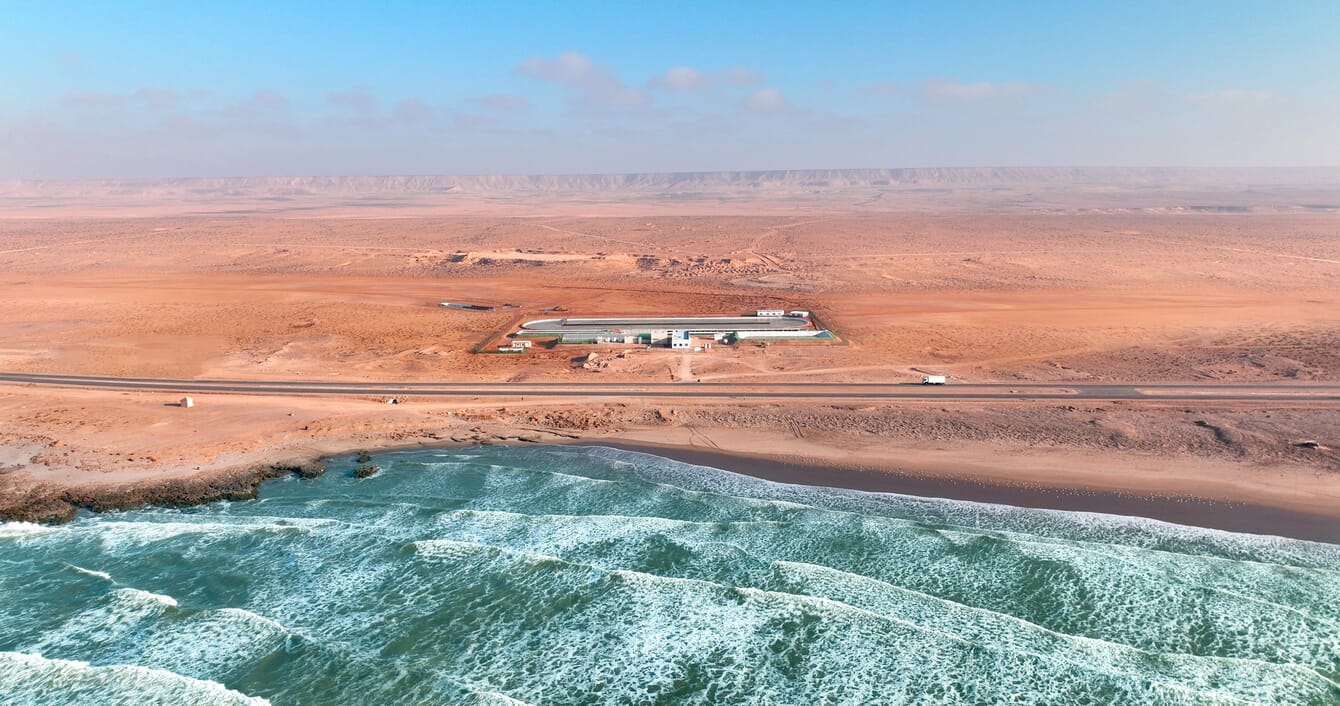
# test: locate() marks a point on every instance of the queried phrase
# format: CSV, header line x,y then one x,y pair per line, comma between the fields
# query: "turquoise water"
x,y
550,575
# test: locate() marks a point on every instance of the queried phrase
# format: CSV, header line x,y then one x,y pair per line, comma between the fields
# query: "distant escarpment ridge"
x,y
677,181
988,189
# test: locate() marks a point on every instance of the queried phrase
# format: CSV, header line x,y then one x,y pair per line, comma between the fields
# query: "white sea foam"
x,y
457,550
1136,594
1231,678
212,642
90,572
119,536
658,625
254,619
105,623
34,679
1107,528
150,596
687,592
492,698
24,530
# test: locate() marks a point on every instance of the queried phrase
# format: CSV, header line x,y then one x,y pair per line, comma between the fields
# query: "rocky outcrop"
x,y
54,503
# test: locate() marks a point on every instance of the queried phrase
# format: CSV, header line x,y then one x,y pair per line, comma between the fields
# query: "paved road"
x,y
1327,394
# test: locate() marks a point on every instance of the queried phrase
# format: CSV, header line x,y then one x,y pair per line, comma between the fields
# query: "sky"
x,y
186,89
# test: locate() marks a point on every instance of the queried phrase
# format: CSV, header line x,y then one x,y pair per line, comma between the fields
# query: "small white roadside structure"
x,y
770,312
681,341
801,314
186,402
520,345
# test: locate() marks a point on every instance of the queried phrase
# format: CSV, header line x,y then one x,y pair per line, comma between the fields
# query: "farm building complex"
x,y
675,332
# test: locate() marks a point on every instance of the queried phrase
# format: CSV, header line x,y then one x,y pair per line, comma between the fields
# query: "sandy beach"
x,y
1001,488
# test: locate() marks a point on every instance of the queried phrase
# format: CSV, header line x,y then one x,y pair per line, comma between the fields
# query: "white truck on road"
x,y
933,380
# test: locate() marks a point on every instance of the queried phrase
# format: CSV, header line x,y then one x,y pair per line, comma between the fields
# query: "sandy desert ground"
x,y
996,279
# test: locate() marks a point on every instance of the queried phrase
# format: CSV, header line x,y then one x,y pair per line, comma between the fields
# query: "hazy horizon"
x,y
1115,168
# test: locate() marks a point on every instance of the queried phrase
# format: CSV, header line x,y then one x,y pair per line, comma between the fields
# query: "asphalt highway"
x,y
1313,393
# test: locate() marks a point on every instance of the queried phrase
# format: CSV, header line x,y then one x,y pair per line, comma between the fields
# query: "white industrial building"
x,y
675,332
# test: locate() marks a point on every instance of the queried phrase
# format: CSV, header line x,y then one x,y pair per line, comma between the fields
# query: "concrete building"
x,y
767,313
800,314
657,329
674,332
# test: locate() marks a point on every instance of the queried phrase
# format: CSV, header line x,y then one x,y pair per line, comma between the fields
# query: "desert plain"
x,y
1004,276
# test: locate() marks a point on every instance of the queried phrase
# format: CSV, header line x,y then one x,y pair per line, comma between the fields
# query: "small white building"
x,y
801,314
681,341
186,402
770,312
520,345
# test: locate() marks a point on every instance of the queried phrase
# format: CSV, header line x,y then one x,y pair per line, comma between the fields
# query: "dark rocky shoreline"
x,y
51,503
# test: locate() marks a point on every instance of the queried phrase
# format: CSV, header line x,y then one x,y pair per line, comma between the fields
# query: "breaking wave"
x,y
591,575
29,678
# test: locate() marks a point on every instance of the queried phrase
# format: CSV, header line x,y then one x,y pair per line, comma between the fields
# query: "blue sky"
x,y
213,89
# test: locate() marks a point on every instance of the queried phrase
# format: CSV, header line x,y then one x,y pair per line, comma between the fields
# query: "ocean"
x,y
582,575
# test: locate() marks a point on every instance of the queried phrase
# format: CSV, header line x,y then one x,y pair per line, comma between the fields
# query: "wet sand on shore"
x,y
1228,516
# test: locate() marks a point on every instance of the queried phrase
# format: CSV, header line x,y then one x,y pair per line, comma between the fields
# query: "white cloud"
x,y
1131,96
1230,97
359,100
155,98
466,121
884,88
948,91
766,100
92,101
158,98
268,100
412,111
263,106
740,76
506,103
685,78
1142,95
593,84
681,78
